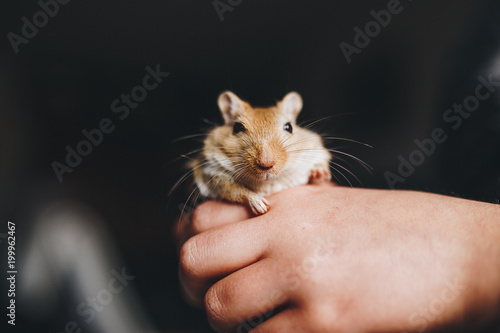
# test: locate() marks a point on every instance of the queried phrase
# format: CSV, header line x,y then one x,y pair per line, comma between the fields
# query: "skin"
x,y
334,259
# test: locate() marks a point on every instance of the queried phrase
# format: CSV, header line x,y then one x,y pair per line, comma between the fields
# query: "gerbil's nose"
x,y
266,161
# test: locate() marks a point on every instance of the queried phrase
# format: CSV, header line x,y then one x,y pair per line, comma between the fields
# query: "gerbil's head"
x,y
255,139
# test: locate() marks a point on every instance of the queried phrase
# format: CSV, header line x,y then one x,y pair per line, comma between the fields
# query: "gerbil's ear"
x,y
229,104
291,104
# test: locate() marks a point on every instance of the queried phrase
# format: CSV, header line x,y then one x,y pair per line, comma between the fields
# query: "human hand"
x,y
334,259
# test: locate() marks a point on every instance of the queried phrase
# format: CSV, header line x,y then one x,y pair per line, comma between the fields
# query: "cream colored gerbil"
x,y
257,152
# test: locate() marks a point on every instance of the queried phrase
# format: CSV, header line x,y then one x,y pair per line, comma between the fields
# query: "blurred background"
x,y
111,214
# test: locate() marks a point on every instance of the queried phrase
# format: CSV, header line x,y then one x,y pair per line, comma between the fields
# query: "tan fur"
x,y
237,167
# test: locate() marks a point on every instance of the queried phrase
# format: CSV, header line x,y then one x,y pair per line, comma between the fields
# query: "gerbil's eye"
x,y
288,127
238,127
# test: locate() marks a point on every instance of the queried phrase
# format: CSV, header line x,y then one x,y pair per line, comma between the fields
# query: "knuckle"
x,y
214,306
323,319
188,258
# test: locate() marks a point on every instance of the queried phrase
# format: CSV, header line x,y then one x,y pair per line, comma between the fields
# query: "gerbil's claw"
x,y
320,174
259,205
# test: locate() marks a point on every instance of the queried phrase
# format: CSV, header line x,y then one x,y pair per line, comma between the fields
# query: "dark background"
x,y
395,91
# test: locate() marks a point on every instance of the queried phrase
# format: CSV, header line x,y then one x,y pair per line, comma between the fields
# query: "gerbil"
x,y
257,152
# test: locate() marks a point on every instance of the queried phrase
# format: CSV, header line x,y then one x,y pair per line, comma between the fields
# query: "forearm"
x,y
487,269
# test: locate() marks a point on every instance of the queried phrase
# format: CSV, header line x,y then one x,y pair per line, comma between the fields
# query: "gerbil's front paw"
x,y
319,173
258,205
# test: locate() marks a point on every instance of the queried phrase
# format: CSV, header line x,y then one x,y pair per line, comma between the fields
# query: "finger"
x,y
248,295
289,320
218,252
213,214
210,215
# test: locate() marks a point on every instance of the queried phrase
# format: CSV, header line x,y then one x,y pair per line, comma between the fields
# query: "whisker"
x,y
342,175
186,156
185,204
189,137
346,139
209,122
352,174
180,181
299,141
367,166
341,159
338,180
323,119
